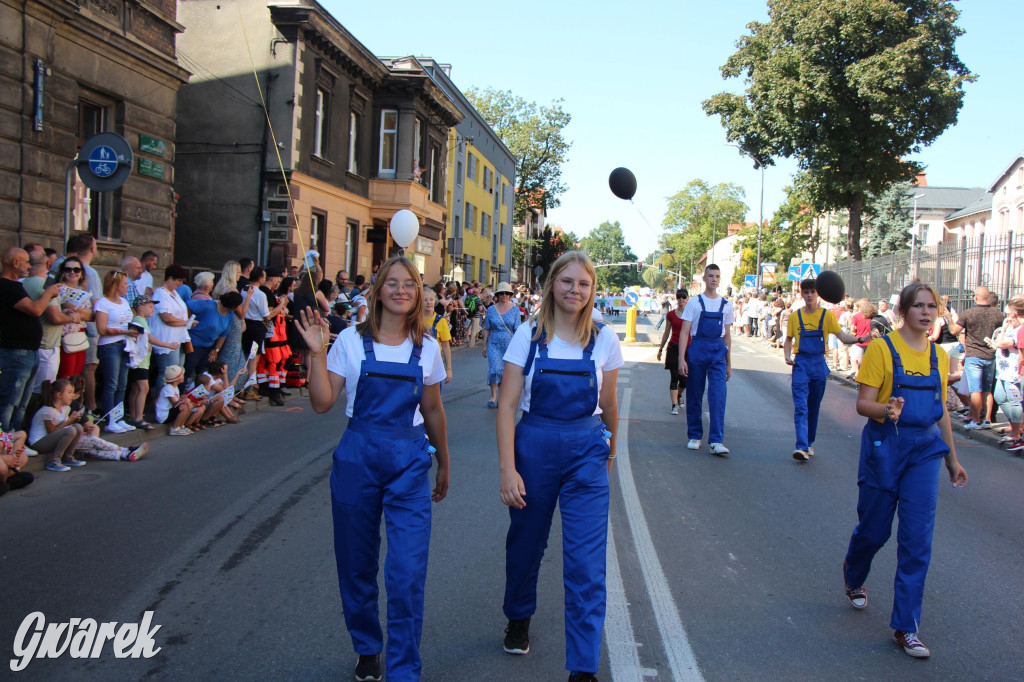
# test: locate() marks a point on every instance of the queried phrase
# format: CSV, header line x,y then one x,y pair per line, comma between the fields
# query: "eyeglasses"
x,y
72,269
408,285
567,284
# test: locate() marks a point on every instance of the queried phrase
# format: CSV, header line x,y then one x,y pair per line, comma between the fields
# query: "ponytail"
x,y
48,390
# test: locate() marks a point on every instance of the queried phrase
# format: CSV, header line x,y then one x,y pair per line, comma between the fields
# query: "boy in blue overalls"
x,y
707,319
807,336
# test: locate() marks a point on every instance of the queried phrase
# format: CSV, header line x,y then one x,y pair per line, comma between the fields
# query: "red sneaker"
x,y
858,597
911,644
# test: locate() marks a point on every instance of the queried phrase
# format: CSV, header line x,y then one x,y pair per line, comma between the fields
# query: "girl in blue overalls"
x,y
392,369
561,370
902,392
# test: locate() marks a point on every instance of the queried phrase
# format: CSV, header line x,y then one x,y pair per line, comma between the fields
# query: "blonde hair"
x,y
414,323
545,316
228,279
111,281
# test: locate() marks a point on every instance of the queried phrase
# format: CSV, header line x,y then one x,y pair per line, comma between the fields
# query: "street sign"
x,y
768,273
750,281
105,162
632,297
810,271
794,273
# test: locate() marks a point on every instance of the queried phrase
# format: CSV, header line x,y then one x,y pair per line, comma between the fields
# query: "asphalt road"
x,y
720,569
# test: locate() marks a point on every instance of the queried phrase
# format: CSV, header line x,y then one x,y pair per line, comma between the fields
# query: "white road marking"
x,y
681,662
618,628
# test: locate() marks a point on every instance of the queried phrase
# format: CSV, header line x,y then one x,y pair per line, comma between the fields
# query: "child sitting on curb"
x,y
12,457
90,444
185,412
55,430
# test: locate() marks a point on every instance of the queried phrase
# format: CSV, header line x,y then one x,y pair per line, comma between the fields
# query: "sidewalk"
x,y
987,436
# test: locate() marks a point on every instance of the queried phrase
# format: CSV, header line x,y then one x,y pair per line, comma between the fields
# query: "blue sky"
x,y
633,76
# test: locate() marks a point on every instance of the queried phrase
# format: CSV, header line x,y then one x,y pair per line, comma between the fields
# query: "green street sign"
x,y
153,169
151,145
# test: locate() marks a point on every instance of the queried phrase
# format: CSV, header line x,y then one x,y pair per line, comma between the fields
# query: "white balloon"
x,y
404,227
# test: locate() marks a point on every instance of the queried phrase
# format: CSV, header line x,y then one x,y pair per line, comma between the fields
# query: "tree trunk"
x,y
853,238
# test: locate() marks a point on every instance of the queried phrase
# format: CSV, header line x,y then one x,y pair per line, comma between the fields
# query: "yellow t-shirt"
x,y
811,320
876,368
444,332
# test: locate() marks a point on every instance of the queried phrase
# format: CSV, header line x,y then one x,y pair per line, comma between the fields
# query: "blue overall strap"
x,y
897,364
437,318
368,346
531,353
414,356
593,339
700,300
800,319
935,358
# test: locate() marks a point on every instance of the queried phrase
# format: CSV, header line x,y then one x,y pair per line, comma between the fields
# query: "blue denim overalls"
x,y
562,457
810,372
382,464
899,472
706,361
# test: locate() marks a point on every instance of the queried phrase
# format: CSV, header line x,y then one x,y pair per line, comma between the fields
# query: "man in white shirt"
x,y
145,282
707,320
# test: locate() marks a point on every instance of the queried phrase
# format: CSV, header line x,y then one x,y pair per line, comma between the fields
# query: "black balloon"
x,y
623,183
830,286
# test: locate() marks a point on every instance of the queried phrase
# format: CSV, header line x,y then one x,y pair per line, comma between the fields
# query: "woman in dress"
x,y
561,371
906,438
390,369
500,323
231,352
456,314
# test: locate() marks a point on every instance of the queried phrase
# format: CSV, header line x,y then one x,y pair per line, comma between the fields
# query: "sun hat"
x,y
503,288
173,373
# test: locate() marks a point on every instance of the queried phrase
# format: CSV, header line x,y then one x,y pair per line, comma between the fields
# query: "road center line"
x,y
682,663
618,628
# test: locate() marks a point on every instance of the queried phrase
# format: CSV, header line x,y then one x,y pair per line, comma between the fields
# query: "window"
x,y
320,123
416,140
435,190
922,238
487,178
501,233
485,224
456,227
470,217
352,247
388,141
483,271
353,142
471,167
458,173
318,232
92,210
1020,219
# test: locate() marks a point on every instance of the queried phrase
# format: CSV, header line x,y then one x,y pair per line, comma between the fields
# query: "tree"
x,y
551,245
888,222
849,88
535,136
605,244
656,280
694,215
520,247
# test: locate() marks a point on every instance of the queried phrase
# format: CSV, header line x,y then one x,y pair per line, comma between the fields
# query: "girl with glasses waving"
x,y
390,368
561,369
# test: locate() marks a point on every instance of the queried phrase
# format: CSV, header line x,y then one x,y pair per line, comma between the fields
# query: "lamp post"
x,y
760,222
913,234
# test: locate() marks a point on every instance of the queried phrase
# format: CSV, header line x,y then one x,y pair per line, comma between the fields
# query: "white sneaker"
x,y
674,410
972,426
125,426
986,424
30,452
114,428
180,431
694,444
718,449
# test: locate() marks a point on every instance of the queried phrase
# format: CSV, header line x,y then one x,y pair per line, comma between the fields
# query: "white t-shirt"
x,y
145,281
692,311
753,307
167,302
119,315
607,356
346,357
163,402
596,315
46,414
258,309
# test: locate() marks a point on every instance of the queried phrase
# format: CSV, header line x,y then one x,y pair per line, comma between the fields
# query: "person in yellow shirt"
x,y
903,395
807,337
438,326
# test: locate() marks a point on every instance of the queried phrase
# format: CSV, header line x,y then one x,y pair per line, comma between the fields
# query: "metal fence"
x,y
954,268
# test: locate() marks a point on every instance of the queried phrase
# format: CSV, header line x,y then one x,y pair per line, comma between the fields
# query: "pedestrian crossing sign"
x,y
810,271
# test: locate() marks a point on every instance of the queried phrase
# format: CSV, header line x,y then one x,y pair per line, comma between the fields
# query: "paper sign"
x,y
228,393
115,414
252,354
251,381
191,319
198,393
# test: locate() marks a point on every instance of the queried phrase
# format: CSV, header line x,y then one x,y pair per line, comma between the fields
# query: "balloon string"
x,y
277,151
649,226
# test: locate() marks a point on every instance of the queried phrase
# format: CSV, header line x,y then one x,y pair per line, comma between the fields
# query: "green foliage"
x,y
551,245
888,220
535,136
658,281
605,244
695,214
520,247
849,88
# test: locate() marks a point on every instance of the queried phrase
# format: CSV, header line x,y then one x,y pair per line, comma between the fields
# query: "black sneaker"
x,y
368,668
582,677
517,637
